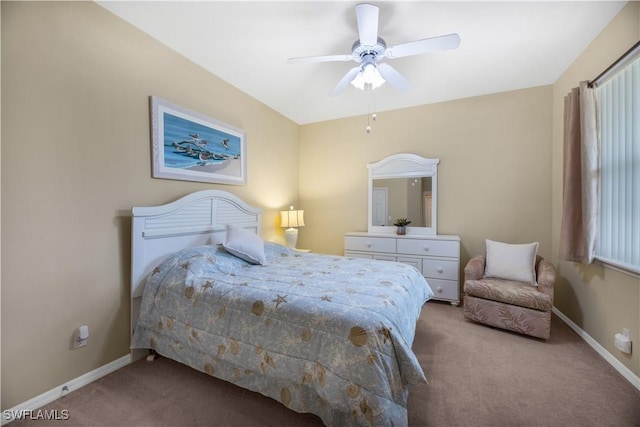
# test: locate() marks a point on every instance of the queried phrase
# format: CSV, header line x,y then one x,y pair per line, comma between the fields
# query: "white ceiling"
x,y
505,46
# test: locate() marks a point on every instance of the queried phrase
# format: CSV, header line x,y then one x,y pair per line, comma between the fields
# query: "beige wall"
x,y
494,176
599,300
75,159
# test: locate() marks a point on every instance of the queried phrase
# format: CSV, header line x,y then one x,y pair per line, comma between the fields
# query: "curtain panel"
x,y
579,223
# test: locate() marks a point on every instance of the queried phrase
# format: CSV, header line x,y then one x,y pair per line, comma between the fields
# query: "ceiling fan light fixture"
x,y
369,75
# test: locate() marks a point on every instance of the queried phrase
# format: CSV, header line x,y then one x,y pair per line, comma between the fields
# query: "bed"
x,y
324,334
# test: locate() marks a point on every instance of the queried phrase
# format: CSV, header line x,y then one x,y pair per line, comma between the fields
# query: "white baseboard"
x,y
613,361
55,393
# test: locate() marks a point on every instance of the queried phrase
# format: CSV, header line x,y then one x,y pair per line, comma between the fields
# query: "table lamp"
x,y
291,219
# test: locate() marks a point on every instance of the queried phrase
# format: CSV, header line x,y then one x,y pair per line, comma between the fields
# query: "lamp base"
x,y
291,235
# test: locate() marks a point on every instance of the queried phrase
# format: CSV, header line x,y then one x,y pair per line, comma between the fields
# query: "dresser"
x,y
436,256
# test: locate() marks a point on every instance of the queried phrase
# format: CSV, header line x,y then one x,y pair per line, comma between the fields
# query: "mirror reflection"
x,y
409,198
403,185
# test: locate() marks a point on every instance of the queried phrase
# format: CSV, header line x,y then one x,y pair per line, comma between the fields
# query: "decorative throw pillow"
x,y
245,245
511,261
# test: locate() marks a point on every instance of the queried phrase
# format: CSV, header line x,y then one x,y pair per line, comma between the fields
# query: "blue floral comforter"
x,y
324,334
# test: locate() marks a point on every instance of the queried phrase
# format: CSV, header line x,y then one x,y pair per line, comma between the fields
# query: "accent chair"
x,y
507,302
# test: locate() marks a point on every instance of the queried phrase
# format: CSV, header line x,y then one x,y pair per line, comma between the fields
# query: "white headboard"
x,y
198,218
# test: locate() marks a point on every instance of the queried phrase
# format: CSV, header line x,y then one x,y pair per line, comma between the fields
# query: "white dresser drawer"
x,y
369,244
444,289
357,255
440,269
427,247
416,262
384,257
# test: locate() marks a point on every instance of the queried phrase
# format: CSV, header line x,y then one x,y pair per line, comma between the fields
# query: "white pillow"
x,y
511,262
245,245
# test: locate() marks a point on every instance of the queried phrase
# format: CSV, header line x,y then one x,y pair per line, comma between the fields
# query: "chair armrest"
x,y
546,277
474,270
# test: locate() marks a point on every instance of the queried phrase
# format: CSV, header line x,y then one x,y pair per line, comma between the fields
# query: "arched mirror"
x,y
403,186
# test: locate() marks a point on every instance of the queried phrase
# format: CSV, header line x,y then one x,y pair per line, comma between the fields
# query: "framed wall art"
x,y
190,146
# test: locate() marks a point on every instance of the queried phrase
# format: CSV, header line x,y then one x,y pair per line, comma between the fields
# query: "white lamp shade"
x,y
368,75
292,218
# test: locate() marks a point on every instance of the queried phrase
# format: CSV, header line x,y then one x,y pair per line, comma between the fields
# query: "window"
x,y
618,238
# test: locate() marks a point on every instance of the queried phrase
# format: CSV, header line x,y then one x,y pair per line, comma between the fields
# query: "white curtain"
x,y
580,176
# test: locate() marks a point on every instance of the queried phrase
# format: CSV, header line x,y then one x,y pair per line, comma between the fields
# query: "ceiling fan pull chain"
x,y
374,116
369,115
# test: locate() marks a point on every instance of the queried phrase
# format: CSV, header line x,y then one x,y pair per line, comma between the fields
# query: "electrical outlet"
x,y
623,341
80,336
77,342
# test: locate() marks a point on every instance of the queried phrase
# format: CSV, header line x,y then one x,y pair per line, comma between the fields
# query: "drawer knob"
x,y
368,244
426,248
439,289
440,269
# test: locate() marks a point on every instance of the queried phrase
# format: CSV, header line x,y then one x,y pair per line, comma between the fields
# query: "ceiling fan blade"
x,y
393,77
325,58
367,17
351,74
433,44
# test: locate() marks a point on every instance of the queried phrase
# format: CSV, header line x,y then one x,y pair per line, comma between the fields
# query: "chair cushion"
x,y
511,261
509,292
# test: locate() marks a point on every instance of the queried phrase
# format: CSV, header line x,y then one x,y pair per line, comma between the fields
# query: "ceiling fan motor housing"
x,y
360,51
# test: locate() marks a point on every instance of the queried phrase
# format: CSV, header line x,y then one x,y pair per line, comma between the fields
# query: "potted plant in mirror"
x,y
401,223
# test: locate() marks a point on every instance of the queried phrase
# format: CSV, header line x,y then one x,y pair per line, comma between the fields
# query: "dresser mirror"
x,y
403,186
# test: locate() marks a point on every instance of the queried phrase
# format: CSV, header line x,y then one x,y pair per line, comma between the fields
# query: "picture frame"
x,y
190,146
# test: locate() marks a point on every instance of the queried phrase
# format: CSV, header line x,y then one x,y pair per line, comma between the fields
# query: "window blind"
x,y
618,240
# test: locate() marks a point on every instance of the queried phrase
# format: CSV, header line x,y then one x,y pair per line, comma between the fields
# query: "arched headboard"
x,y
196,219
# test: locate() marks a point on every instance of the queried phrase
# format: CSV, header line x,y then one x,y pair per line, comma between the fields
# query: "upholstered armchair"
x,y
510,304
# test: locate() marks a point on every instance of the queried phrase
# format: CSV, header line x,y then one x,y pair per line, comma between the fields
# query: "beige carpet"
x,y
478,376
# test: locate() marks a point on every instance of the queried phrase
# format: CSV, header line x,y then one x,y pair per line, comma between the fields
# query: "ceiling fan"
x,y
370,49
